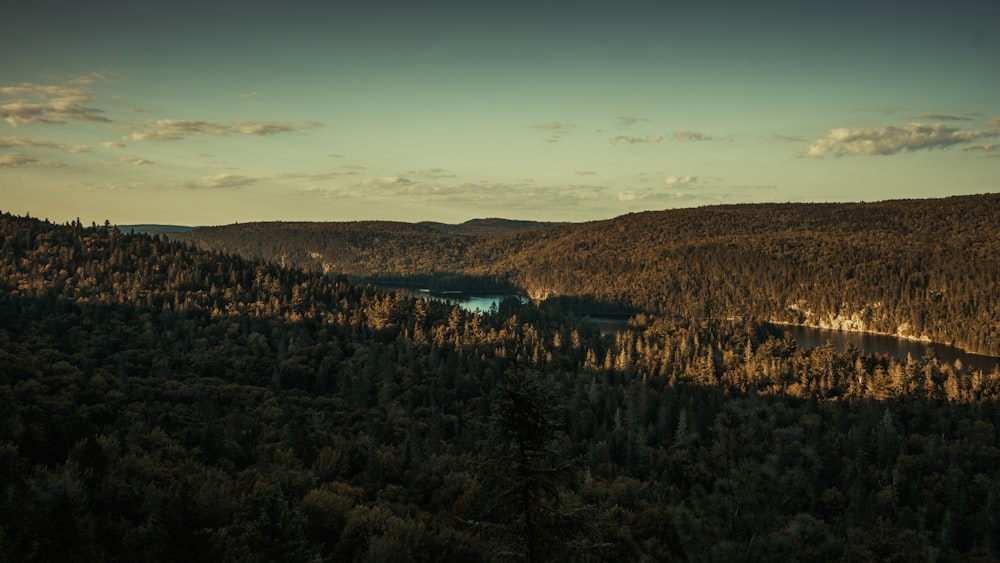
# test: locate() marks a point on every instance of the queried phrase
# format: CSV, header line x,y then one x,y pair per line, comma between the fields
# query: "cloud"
x,y
553,126
940,117
387,181
92,77
58,104
615,139
984,148
994,123
133,160
20,113
987,151
248,95
680,180
29,90
113,145
176,129
558,129
890,139
218,181
10,142
692,136
139,110
627,121
320,177
20,160
585,173
431,174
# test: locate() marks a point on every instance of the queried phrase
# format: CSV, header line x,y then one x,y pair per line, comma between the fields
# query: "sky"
x,y
194,113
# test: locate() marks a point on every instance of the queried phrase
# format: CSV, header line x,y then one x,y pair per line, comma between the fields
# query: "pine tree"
x,y
536,517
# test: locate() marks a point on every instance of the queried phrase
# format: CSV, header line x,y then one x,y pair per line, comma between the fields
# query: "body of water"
x,y
470,301
808,337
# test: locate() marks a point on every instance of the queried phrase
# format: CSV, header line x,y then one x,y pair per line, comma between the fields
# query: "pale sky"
x,y
187,113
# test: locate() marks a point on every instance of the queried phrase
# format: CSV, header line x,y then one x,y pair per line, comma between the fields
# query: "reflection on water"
x,y
808,337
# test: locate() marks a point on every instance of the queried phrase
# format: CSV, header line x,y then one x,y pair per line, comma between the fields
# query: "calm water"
x,y
808,337
470,301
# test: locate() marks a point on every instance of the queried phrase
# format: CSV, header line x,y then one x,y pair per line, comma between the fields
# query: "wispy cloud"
x,y
318,177
792,138
553,126
218,181
10,142
889,139
20,160
680,180
40,103
585,173
133,161
616,138
983,148
176,129
692,136
112,145
627,121
248,95
991,150
105,77
940,117
558,130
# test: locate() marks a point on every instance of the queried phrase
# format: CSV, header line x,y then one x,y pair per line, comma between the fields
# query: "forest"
x,y
163,402
925,269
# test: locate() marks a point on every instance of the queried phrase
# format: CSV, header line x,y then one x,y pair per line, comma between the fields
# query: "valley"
x,y
164,401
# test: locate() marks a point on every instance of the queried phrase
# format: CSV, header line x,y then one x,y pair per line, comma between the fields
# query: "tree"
x,y
539,518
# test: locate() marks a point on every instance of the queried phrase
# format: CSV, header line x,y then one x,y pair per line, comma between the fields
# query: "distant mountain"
x,y
925,269
488,227
154,229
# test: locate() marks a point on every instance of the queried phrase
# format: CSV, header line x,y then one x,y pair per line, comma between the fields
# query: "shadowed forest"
x,y
162,402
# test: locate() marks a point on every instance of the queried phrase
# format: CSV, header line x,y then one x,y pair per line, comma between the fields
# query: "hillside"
x,y
926,269
162,403
427,253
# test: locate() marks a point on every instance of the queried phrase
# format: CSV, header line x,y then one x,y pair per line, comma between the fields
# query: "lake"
x,y
477,302
808,337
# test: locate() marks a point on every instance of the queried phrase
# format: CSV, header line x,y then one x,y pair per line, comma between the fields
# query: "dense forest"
x,y
926,269
164,403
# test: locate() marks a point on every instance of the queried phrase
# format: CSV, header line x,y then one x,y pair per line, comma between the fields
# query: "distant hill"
x,y
487,227
428,254
927,269
154,229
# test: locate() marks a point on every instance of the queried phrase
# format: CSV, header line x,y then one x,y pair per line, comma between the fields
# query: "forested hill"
x,y
916,268
428,253
161,403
